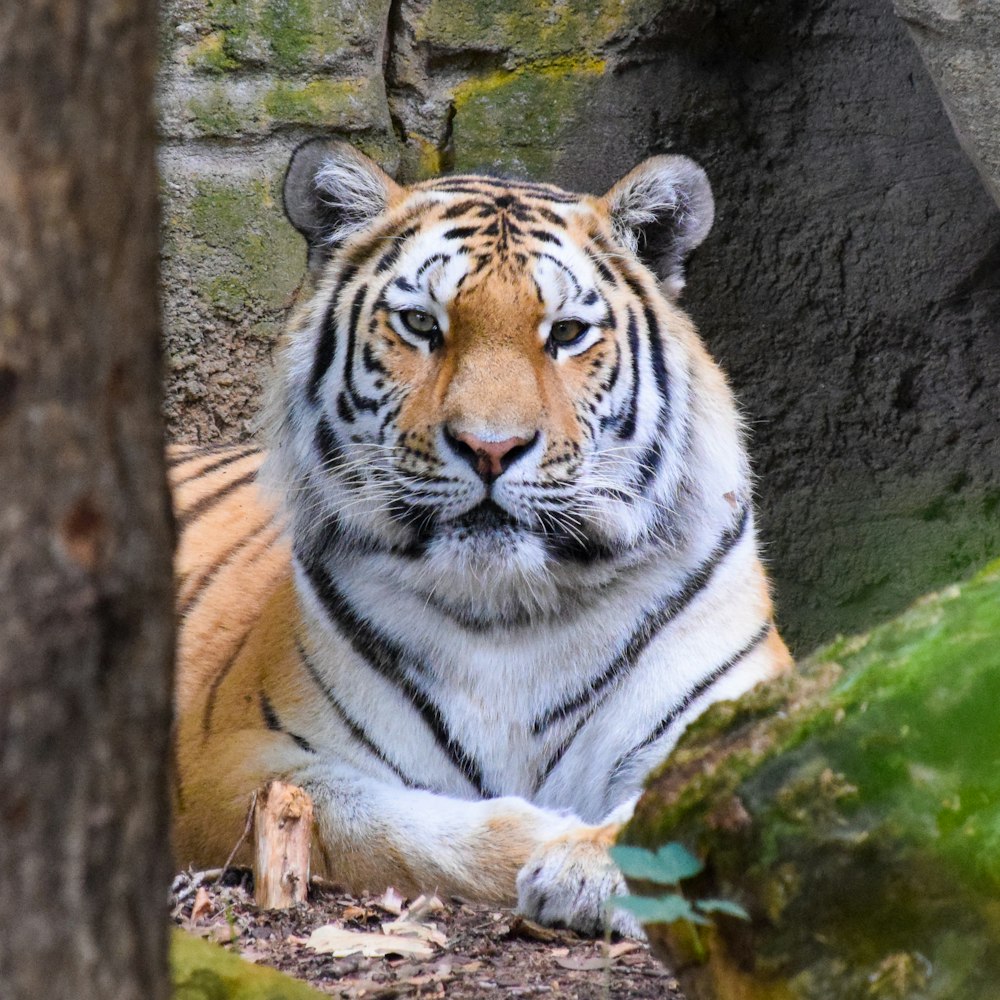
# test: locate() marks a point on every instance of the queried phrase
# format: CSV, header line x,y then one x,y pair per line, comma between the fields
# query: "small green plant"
x,y
668,866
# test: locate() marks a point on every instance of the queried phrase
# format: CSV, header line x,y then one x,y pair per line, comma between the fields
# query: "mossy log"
x,y
204,971
853,809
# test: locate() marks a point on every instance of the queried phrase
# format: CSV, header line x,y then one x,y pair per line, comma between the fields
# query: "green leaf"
x,y
667,866
663,910
722,906
679,860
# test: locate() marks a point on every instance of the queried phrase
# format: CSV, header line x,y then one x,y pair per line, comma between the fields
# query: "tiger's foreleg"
x,y
502,850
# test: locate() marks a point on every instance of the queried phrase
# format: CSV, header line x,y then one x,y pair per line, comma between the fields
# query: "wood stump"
x,y
283,819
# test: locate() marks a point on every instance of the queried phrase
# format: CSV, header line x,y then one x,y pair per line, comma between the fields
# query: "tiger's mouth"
x,y
486,517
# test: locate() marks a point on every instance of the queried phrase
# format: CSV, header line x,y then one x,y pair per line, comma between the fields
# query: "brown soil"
x,y
484,948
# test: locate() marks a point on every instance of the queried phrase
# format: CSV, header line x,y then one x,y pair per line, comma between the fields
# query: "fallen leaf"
x,y
622,948
358,913
392,901
335,941
202,905
412,928
424,905
582,964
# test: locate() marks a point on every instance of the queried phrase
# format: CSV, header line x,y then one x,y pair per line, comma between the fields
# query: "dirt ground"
x,y
446,948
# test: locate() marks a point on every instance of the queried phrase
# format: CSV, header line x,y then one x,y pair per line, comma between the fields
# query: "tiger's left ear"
x,y
661,211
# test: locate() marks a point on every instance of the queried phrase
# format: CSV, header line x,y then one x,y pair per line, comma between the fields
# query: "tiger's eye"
x,y
419,322
567,331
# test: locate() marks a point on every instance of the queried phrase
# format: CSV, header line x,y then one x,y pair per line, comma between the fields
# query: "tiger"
x,y
496,550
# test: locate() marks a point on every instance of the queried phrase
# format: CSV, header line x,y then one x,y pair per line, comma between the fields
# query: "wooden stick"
x,y
283,818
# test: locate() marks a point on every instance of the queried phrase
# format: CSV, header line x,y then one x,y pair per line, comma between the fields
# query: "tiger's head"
x,y
492,383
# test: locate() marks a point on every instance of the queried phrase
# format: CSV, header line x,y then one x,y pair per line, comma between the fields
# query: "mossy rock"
x,y
203,971
853,809
527,29
536,108
250,258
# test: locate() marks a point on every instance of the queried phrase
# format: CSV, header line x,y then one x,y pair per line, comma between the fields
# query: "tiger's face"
x,y
490,379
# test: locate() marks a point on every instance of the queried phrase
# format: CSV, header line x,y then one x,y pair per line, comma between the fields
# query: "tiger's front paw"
x,y
569,881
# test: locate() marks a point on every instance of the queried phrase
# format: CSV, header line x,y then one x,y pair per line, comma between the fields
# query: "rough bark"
x,y
86,619
853,810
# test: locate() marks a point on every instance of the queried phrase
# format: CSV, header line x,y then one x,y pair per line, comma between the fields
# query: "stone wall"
x,y
850,286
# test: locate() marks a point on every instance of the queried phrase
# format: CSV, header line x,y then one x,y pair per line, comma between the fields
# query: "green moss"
x,y
252,255
209,55
535,108
215,114
529,29
868,823
342,103
203,971
291,35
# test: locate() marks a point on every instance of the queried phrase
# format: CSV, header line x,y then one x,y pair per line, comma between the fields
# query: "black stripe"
x,y
656,356
270,716
648,628
189,453
461,232
353,727
433,259
474,184
392,254
693,695
273,723
626,431
465,206
245,452
213,690
331,451
327,345
360,401
602,269
649,465
546,237
549,216
205,580
205,503
386,658
555,260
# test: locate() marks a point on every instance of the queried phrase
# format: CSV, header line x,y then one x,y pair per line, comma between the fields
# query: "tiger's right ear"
x,y
331,192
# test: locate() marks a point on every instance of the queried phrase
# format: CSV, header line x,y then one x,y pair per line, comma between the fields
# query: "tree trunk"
x,y
85,537
853,810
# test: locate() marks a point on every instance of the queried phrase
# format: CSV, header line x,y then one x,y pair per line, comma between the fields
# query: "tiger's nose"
x,y
490,459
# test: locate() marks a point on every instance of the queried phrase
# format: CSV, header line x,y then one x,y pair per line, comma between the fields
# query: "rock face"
x,y
850,286
960,42
852,809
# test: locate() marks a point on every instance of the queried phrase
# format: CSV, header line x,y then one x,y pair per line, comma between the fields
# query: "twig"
x,y
248,826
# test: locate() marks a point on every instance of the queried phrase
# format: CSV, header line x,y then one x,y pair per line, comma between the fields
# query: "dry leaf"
x,y
335,941
354,913
411,928
392,901
424,905
622,948
202,905
582,964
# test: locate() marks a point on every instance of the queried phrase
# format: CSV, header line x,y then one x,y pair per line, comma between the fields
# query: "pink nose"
x,y
490,459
